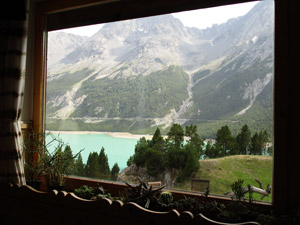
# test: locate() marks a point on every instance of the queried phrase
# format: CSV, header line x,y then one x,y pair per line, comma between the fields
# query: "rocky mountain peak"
x,y
61,44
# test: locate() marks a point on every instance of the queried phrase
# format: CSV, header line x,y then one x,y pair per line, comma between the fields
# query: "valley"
x,y
136,75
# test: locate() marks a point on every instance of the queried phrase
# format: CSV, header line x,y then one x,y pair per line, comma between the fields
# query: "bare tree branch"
x,y
259,190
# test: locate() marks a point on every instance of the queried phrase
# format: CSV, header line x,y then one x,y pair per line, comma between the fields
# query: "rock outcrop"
x,y
130,175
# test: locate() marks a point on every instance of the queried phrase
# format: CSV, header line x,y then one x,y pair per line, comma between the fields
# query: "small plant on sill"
x,y
33,148
91,193
166,197
41,161
187,204
144,195
237,189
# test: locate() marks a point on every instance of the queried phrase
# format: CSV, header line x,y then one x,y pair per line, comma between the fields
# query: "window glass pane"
x,y
197,85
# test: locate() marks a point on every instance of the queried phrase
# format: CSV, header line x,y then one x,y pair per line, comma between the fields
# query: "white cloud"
x,y
204,18
85,30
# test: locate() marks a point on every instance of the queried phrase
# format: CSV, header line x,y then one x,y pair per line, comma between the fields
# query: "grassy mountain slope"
x,y
222,172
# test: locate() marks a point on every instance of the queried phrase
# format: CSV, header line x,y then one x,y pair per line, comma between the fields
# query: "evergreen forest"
x,y
180,150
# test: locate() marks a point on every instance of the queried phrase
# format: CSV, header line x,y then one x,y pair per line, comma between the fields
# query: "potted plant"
x,y
91,193
34,148
145,195
55,164
45,158
54,169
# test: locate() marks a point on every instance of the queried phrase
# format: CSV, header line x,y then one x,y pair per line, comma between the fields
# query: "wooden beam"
x,y
126,9
286,182
39,71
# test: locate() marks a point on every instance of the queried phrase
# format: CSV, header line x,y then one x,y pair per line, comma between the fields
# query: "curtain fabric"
x,y
12,72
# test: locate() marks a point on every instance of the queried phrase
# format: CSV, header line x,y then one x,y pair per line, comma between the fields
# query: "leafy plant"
x,y
56,164
54,167
187,204
144,195
40,160
84,191
100,193
34,148
237,189
91,193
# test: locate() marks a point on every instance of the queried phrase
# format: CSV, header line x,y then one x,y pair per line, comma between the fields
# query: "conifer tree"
x,y
130,161
211,151
191,163
154,162
194,139
115,171
139,157
157,141
243,140
265,139
79,166
103,163
176,135
259,142
225,142
92,168
68,160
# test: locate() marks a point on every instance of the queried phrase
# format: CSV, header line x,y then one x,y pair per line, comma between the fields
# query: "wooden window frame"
x,y
56,14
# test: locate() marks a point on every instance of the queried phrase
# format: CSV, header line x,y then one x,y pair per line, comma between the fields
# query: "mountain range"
x,y
139,74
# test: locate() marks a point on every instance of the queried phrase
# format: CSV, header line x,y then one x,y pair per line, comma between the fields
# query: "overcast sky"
x,y
201,18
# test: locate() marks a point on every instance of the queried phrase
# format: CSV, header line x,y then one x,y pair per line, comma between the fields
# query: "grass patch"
x,y
222,172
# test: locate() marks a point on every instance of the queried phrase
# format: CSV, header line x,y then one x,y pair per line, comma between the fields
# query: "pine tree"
x,y
176,135
68,160
92,168
154,163
265,139
259,142
243,140
130,161
226,142
139,157
211,151
191,163
103,163
157,141
194,139
115,171
79,166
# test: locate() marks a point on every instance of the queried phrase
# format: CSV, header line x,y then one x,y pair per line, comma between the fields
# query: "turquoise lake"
x,y
118,150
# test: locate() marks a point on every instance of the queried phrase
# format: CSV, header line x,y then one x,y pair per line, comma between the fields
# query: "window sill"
x,y
21,203
115,188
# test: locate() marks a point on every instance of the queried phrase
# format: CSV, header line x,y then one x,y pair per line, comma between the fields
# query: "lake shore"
x,y
117,134
112,134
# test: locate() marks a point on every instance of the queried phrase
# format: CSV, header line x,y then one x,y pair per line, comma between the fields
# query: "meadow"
x,y
222,172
